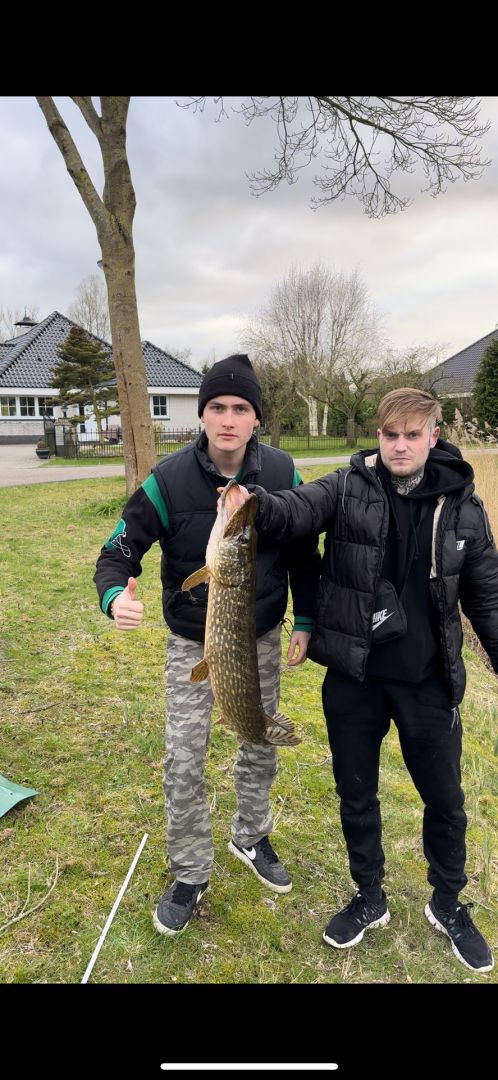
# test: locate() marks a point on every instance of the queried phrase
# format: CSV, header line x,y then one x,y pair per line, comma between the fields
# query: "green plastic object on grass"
x,y
11,793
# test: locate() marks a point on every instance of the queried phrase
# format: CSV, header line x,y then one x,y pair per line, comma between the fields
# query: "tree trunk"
x,y
275,426
312,411
325,418
313,415
138,440
350,432
113,216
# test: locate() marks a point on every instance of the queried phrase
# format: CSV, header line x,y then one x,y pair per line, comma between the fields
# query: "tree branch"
x,y
365,140
87,108
74,163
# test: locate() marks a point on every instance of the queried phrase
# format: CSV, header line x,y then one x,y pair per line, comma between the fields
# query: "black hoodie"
x,y
407,564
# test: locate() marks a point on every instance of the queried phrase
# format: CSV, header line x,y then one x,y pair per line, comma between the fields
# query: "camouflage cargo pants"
x,y
188,724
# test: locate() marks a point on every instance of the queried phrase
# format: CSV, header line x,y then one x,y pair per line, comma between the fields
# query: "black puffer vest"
x,y
188,482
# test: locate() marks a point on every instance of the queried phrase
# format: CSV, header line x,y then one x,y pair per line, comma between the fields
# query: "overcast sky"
x,y
208,253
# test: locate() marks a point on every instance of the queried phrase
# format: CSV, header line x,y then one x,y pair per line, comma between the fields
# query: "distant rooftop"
x,y
457,374
27,360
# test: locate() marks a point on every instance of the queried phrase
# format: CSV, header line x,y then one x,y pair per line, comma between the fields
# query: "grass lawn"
x,y
83,720
62,463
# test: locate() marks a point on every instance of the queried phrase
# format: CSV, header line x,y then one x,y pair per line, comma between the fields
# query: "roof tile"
x,y
28,360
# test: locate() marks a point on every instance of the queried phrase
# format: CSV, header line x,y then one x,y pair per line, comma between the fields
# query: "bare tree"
x,y
113,214
90,309
440,132
365,140
321,333
9,318
287,333
278,392
352,347
184,354
410,367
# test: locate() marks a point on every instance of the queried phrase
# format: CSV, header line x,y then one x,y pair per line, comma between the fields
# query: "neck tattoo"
x,y
405,484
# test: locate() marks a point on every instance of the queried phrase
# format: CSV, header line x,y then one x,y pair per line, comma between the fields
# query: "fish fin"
x,y
280,731
282,721
200,577
278,737
200,671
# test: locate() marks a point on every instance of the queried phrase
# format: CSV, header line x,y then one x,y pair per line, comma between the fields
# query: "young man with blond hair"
x,y
407,538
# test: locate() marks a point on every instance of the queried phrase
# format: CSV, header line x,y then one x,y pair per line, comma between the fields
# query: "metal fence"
x,y
302,439
68,443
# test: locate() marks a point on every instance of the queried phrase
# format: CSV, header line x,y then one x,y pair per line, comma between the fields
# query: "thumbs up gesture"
x,y
128,612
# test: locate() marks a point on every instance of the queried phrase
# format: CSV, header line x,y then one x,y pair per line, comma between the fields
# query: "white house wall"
x,y
182,415
182,410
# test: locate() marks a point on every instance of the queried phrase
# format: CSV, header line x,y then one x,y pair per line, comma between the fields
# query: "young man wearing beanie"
x,y
176,505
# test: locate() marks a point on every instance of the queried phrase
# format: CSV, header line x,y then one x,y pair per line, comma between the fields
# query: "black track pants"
x,y
430,733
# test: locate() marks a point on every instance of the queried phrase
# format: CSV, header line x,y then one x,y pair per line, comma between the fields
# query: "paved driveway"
x,y
20,465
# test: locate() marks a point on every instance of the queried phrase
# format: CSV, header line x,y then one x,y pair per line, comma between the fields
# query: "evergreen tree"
x,y
485,394
82,375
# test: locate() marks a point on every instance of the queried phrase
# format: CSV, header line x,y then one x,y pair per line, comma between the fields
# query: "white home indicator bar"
x,y
248,1068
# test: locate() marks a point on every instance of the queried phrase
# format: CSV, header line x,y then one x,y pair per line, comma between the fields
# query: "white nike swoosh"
x,y
250,854
379,623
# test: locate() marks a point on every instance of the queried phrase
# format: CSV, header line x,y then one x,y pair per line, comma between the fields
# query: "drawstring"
x,y
456,716
343,501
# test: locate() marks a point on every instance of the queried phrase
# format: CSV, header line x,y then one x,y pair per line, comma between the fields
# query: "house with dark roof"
x,y
26,365
455,376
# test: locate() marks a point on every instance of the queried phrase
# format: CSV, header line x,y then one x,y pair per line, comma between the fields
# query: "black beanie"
x,y
234,375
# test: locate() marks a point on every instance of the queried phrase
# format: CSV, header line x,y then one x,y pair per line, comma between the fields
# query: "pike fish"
x,y
230,655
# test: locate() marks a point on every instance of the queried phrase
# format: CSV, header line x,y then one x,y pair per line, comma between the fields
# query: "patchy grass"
x,y
82,712
63,463
75,462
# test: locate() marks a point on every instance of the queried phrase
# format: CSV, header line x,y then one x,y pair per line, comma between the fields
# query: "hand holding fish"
x,y
235,497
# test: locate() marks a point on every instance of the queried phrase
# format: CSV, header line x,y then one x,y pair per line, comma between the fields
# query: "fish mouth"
x,y
242,517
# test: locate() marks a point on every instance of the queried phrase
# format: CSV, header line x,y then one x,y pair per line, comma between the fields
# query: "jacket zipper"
x,y
439,577
374,479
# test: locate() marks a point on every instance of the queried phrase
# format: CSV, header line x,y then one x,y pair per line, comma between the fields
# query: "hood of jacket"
x,y
445,471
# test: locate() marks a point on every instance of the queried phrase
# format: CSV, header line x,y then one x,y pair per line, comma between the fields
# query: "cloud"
x,y
208,253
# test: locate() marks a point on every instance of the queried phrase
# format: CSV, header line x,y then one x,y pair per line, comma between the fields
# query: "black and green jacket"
x,y
176,505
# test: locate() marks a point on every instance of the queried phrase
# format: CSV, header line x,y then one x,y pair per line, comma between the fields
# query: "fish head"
x,y
231,550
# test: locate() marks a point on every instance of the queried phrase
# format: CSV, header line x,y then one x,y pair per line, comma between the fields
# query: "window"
x,y
159,405
43,408
27,406
7,406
